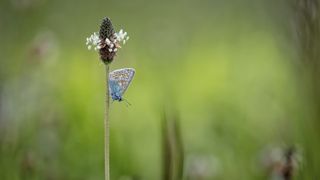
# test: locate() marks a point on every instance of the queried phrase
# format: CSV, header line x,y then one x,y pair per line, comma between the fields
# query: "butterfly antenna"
x,y
127,102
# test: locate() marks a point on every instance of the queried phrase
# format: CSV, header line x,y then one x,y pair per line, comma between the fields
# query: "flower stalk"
x,y
107,129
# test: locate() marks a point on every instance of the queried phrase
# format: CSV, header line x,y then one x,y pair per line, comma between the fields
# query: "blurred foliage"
x,y
230,69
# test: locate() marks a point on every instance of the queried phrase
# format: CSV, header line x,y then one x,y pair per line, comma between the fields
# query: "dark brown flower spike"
x,y
106,36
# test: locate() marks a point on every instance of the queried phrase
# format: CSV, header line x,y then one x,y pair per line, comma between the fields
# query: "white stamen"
x,y
108,41
94,41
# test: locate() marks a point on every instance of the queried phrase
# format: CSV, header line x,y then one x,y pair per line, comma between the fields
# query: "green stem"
x,y
107,129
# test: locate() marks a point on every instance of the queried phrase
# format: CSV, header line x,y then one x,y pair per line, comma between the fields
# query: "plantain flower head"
x,y
107,41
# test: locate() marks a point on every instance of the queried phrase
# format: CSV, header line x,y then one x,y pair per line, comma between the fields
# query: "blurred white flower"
x,y
202,167
281,161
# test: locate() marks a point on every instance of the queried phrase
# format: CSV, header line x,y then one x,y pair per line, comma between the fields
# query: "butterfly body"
x,y
119,80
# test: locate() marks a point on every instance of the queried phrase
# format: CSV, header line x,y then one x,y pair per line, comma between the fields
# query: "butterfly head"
x,y
116,97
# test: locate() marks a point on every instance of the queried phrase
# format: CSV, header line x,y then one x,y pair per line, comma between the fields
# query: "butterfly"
x,y
119,80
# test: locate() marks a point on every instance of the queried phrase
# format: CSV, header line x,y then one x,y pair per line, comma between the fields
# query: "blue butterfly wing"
x,y
115,90
120,80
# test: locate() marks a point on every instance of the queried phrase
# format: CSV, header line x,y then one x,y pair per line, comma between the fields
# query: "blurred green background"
x,y
231,71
